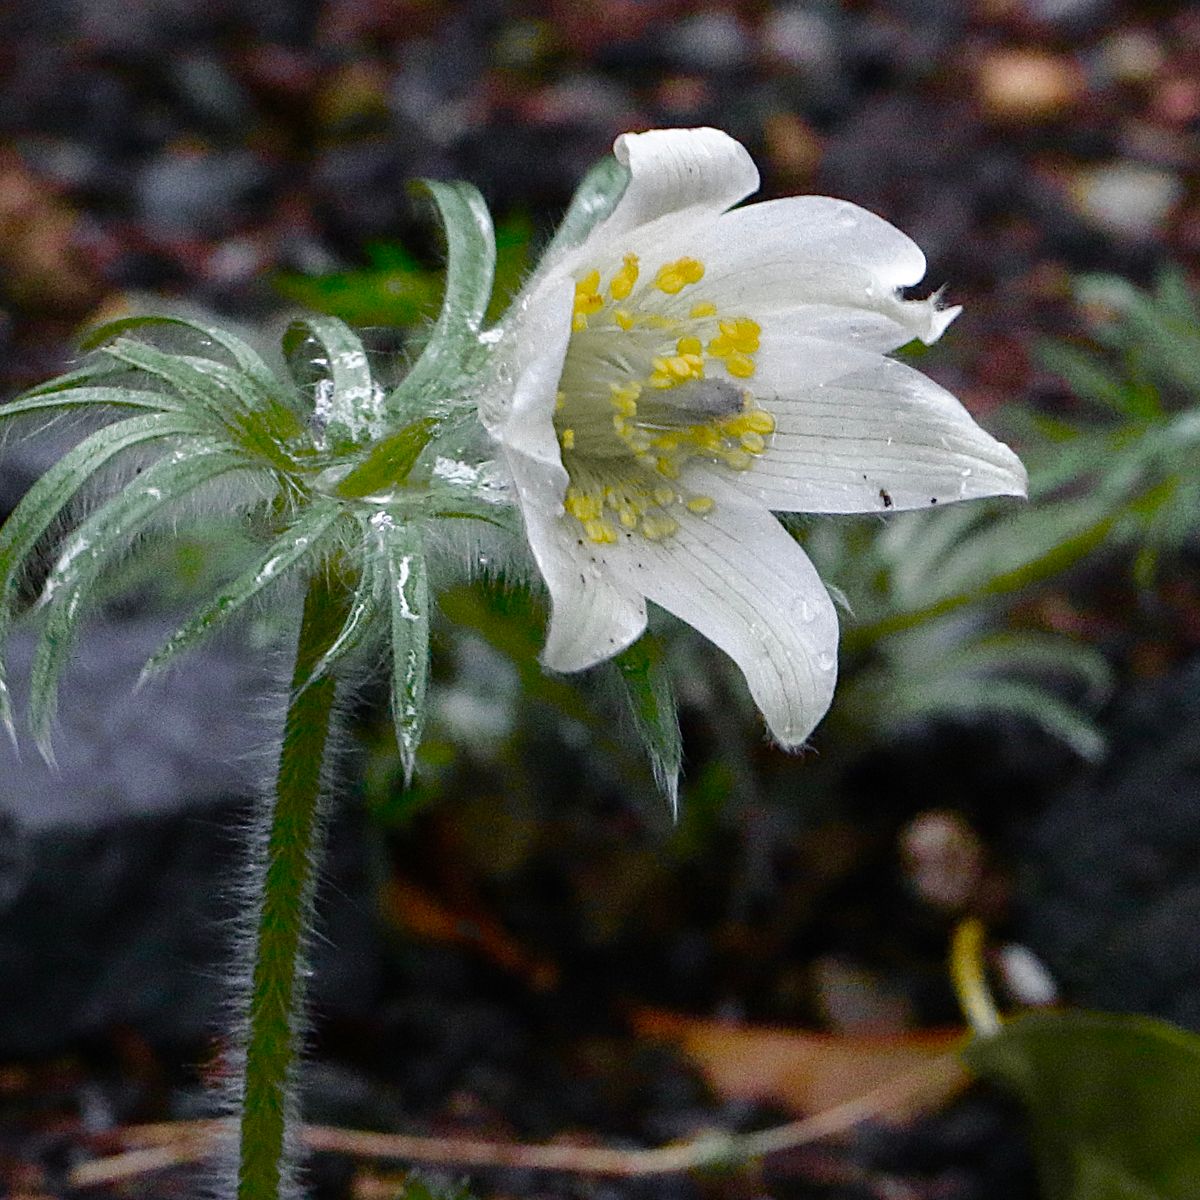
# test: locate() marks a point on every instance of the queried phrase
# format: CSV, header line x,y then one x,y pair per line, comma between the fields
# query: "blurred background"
x,y
524,945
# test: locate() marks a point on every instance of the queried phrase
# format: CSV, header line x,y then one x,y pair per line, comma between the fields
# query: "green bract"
x,y
337,474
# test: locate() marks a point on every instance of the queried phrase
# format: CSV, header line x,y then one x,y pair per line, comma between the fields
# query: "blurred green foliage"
x,y
394,289
1114,1102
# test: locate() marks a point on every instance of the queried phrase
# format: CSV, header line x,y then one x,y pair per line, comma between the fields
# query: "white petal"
x,y
823,267
683,172
819,229
872,436
528,366
740,579
592,615
890,325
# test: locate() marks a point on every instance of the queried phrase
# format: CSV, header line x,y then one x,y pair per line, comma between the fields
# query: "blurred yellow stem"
x,y
970,980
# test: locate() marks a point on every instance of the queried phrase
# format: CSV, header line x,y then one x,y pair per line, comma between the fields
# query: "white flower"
x,y
686,369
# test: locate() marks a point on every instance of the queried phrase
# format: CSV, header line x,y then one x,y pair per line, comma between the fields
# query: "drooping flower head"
x,y
678,368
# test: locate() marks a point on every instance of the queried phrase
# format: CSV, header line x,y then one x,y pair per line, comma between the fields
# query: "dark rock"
x,y
119,872
1110,872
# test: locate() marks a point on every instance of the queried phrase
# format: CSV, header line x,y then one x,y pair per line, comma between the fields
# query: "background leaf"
x,y
1114,1102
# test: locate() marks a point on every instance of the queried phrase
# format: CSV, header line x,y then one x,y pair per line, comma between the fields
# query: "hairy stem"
x,y
277,996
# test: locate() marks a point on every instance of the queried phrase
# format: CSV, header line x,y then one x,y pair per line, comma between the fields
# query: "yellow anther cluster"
x,y
678,368
587,300
735,342
613,495
675,276
623,281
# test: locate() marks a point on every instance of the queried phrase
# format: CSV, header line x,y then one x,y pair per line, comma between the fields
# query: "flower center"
x,y
636,404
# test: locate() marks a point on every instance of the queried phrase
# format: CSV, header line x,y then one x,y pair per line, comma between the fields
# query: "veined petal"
x,y
874,435
892,323
741,580
592,616
822,267
682,172
817,229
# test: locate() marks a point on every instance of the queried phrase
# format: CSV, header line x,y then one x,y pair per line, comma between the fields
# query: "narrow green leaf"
x,y
105,535
470,273
300,540
913,544
98,368
1174,295
388,464
1113,1101
251,379
256,424
969,697
652,702
595,198
353,399
247,360
53,490
361,620
1030,541
1089,375
470,255
1030,652
192,382
407,585
88,397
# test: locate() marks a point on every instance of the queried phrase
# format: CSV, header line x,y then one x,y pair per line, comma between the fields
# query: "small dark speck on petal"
x,y
886,497
932,499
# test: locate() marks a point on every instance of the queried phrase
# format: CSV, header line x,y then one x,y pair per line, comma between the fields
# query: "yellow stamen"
x,y
759,421
623,281
674,277
739,365
600,531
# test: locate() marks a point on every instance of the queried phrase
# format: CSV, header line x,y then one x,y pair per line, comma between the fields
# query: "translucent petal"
x,y
818,267
678,173
740,579
815,229
876,435
591,617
